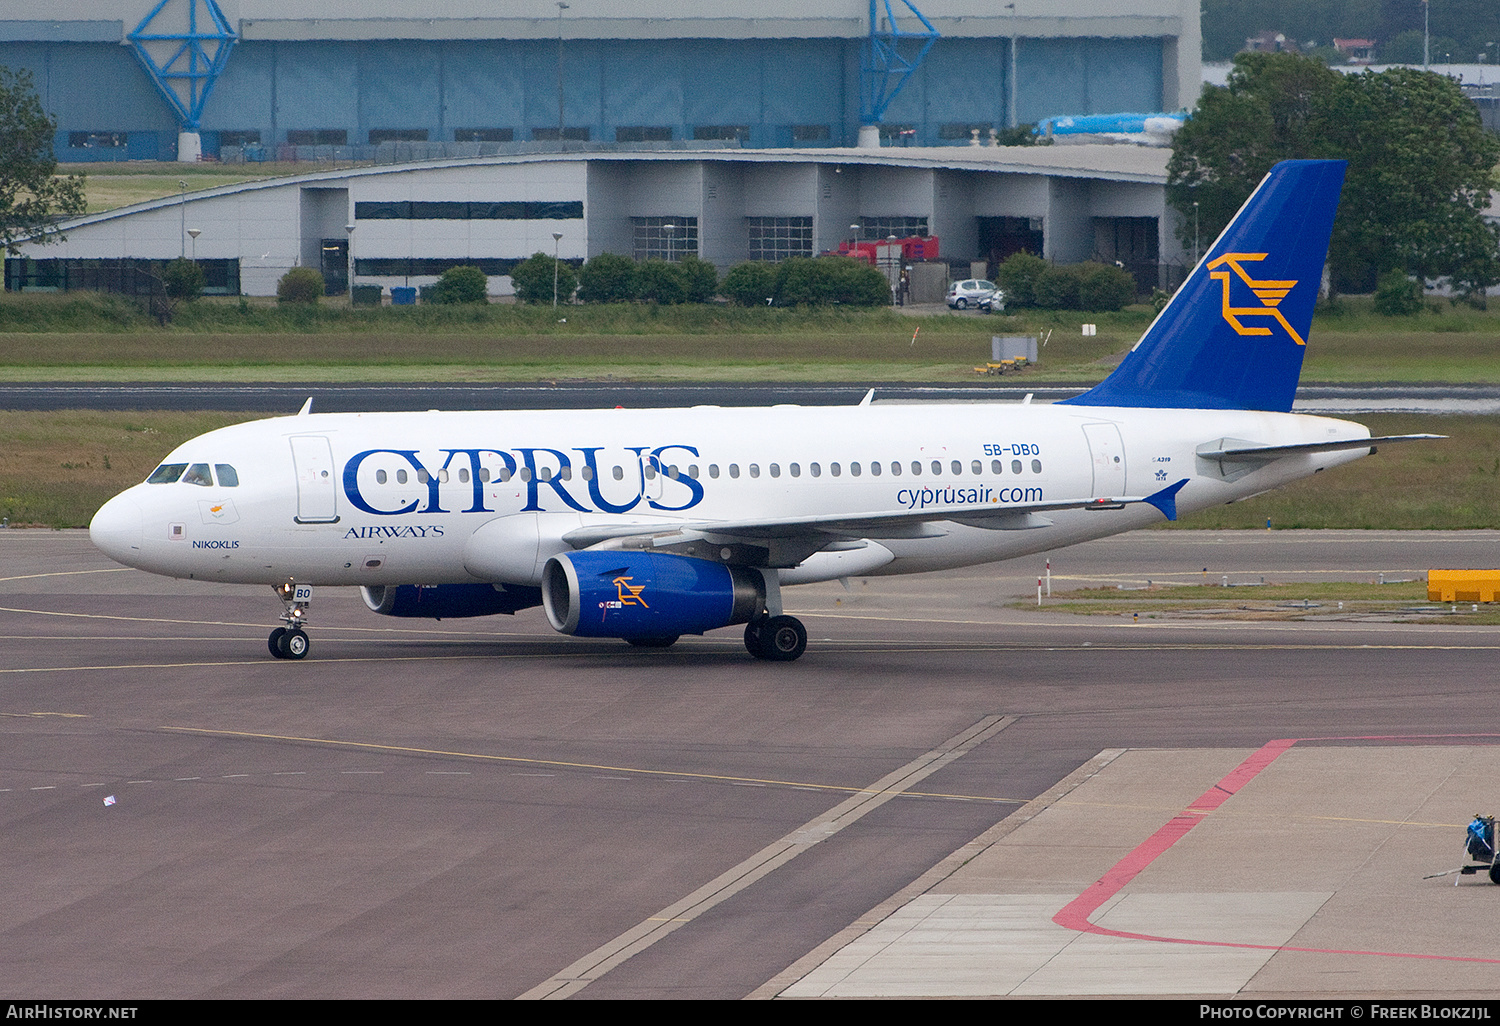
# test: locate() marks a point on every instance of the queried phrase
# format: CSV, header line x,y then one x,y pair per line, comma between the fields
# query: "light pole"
x,y
894,274
349,256
1010,111
669,229
556,249
195,232
182,210
1426,36
853,238
560,8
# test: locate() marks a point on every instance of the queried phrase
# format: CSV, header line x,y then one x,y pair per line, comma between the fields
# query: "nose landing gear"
x,y
291,641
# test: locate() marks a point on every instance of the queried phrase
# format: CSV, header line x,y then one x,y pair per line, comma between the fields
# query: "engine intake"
x,y
436,601
627,594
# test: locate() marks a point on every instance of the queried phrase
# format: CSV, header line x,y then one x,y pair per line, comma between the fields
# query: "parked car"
x,y
964,294
994,302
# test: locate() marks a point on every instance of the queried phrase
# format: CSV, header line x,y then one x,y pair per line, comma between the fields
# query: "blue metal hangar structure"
x,y
764,73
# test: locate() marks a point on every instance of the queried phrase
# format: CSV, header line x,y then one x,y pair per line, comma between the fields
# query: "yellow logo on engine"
x,y
1270,294
630,594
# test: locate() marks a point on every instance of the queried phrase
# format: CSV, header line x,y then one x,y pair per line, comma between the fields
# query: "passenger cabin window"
x,y
776,470
734,470
1036,466
166,473
1015,466
198,474
380,477
228,476
996,467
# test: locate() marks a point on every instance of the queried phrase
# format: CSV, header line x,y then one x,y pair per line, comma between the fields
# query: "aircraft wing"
x,y
786,541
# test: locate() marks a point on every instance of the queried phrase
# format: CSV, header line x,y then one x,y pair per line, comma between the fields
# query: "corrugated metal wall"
x,y
767,86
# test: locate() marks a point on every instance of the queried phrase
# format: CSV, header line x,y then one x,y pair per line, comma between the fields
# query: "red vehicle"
x,y
914,247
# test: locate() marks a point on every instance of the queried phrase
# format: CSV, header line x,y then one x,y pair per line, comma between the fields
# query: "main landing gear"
x,y
777,639
291,641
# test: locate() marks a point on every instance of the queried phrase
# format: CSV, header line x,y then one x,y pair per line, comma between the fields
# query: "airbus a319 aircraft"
x,y
645,525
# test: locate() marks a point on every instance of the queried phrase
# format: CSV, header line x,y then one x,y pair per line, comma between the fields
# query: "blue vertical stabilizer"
x,y
1233,336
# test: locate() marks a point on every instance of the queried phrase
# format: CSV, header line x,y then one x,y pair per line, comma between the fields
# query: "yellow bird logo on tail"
x,y
1270,294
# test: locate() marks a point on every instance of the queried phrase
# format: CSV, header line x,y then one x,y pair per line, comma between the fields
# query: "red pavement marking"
x,y
1075,915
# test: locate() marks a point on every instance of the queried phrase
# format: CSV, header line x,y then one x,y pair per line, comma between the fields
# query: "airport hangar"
x,y
404,224
764,74
724,122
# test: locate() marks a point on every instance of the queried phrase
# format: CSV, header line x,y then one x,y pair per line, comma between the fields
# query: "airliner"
x,y
645,525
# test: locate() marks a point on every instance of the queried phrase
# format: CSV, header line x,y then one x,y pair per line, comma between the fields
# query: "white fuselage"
x,y
401,498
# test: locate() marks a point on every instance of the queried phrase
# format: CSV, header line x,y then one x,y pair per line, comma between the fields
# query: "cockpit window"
x,y
198,474
228,478
166,473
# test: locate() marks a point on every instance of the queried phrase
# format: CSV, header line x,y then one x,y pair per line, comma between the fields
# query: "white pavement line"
x,y
937,874
601,960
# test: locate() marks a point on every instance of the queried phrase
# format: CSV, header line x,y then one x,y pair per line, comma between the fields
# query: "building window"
x,y
898,135
568,134
245,137
654,242
483,135
120,275
877,229
95,140
472,210
643,133
811,133
734,133
385,135
777,238
317,137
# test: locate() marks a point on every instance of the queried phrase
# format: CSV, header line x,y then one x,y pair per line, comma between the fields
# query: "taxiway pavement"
x,y
486,809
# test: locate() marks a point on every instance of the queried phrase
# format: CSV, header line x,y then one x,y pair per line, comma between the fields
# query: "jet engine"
x,y
436,601
647,597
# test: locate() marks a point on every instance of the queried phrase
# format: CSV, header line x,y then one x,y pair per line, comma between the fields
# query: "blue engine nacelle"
x,y
648,595
436,601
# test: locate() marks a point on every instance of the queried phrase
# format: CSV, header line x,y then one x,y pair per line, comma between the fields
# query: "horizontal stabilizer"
x,y
1237,450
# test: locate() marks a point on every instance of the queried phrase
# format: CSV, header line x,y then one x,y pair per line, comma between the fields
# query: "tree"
x,y
1018,276
700,278
1421,165
533,279
662,282
752,283
182,280
609,278
460,285
32,195
300,285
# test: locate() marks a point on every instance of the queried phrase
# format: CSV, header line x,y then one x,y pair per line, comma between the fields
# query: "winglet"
x,y
1166,499
306,408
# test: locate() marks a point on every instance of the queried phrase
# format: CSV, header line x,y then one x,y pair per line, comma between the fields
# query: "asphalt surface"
x,y
475,808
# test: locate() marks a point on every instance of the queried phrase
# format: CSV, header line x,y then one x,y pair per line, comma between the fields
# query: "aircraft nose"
x,y
116,530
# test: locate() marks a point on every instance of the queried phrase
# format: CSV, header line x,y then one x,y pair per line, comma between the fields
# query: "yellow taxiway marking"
x,y
68,573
